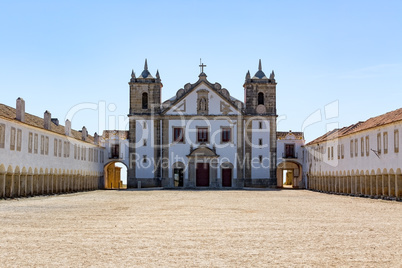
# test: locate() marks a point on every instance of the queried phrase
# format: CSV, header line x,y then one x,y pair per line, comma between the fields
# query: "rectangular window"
x,y
260,158
2,135
144,159
30,142
46,145
342,152
75,151
145,142
60,148
145,125
385,136
85,153
339,151
260,142
367,146
55,147
362,146
78,152
226,134
351,148
329,153
379,143
260,125
36,141
19,139
202,134
332,152
356,147
178,134
12,139
115,151
396,140
289,151
42,144
65,149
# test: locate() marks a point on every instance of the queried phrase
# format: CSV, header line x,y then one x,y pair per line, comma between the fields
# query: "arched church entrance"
x,y
115,175
289,174
203,167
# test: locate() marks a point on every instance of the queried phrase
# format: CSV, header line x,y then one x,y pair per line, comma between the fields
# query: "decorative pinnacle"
x,y
146,65
132,74
157,74
248,75
259,66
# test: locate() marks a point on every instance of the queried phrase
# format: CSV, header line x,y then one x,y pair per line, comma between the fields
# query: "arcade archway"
x,y
115,175
289,173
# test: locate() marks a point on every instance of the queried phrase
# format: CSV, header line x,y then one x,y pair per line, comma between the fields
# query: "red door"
x,y
227,177
202,174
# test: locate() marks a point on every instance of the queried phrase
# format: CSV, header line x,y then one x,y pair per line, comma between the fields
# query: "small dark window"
x,y
226,134
260,158
260,125
178,135
202,134
144,100
260,98
260,142
115,151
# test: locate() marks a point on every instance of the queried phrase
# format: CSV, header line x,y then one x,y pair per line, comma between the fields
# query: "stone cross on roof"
x,y
202,65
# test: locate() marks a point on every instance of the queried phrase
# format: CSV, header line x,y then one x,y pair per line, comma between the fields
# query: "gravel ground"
x,y
249,228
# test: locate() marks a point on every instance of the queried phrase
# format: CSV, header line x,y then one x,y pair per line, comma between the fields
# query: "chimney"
x,y
96,138
67,128
20,110
47,117
55,121
84,133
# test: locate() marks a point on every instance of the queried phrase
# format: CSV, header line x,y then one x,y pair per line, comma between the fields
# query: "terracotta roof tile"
x,y
282,134
381,120
35,121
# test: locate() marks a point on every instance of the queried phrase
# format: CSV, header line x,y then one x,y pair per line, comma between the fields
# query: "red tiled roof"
x,y
282,134
35,121
381,120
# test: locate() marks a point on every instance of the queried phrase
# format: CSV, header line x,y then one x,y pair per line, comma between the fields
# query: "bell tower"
x,y
145,92
260,93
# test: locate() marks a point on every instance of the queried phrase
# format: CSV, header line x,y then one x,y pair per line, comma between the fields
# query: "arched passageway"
x,y
289,173
115,175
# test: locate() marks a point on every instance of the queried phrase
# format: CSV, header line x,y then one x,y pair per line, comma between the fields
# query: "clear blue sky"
x,y
59,54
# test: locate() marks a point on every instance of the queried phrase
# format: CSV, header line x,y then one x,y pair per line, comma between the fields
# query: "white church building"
x,y
202,136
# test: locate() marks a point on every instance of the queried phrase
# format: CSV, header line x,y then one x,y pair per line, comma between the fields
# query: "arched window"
x,y
260,98
144,100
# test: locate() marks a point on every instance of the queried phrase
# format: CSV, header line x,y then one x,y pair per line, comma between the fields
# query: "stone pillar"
x,y
273,148
157,147
16,185
391,183
2,185
240,153
165,149
23,182
131,176
398,186
385,185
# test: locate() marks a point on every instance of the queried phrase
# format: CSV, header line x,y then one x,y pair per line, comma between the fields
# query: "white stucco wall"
x,y
145,132
390,160
260,170
26,159
214,103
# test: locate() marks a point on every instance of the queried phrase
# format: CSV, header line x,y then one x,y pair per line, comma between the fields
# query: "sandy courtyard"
x,y
200,228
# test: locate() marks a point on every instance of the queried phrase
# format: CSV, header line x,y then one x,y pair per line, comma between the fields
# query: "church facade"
x,y
202,136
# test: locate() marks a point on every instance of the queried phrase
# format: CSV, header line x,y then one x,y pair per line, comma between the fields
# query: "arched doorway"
x,y
115,175
289,174
203,167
